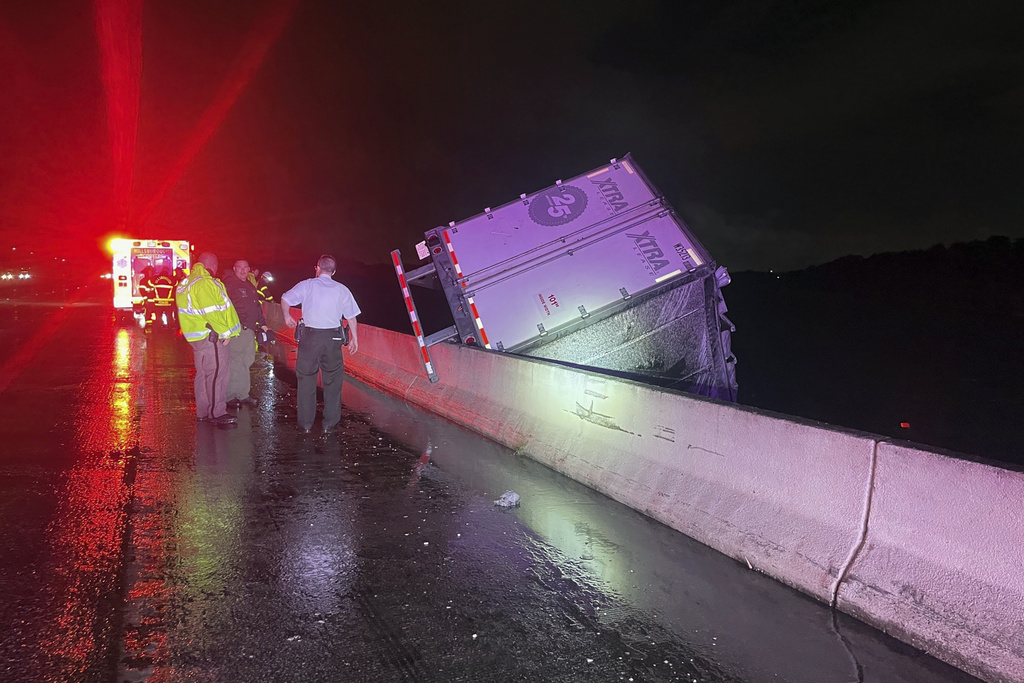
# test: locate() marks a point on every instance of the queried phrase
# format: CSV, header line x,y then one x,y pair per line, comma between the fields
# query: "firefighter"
x,y
265,298
262,289
208,321
147,293
163,292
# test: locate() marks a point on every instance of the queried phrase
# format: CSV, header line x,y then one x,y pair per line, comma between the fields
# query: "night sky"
x,y
785,133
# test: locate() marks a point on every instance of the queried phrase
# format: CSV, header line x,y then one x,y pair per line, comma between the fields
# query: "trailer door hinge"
x,y
583,312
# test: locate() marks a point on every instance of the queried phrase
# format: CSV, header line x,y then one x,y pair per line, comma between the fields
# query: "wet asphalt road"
x,y
138,545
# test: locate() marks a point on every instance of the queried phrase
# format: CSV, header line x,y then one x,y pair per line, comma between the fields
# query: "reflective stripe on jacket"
x,y
204,304
163,288
262,291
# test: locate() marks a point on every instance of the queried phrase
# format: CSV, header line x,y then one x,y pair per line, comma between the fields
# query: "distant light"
x,y
905,425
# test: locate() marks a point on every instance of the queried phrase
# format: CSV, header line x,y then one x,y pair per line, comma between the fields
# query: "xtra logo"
x,y
558,206
610,190
647,245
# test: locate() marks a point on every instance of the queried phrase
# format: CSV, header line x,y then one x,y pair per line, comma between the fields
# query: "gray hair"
x,y
327,264
209,260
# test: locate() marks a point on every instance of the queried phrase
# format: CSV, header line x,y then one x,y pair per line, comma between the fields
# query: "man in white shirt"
x,y
325,303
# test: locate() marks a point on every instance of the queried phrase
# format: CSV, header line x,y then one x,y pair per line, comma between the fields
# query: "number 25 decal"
x,y
560,205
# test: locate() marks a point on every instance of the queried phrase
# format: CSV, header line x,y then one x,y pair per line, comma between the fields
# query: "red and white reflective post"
x,y
414,318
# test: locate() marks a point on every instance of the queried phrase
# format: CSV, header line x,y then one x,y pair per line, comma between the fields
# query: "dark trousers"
x,y
320,350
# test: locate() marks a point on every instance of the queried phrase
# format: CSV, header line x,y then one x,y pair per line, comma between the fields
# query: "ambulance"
x,y
132,257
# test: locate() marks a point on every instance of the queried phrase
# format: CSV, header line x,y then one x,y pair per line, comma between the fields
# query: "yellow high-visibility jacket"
x,y
203,304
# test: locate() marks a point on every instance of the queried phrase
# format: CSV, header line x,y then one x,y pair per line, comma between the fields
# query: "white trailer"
x,y
598,271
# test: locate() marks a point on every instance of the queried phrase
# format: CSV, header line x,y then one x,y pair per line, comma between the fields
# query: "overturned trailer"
x,y
597,271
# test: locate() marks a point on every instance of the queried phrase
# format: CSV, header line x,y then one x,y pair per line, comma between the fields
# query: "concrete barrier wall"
x,y
942,564
682,460
924,546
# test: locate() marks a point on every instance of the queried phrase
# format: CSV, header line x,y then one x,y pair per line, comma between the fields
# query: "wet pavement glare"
x,y
139,545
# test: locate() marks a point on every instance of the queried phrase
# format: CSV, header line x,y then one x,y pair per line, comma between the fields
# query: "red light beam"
x,y
262,37
119,33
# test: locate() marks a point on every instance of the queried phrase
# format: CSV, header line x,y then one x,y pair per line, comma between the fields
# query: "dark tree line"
x,y
929,338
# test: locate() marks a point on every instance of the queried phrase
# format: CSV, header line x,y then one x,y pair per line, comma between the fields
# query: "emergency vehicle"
x,y
132,257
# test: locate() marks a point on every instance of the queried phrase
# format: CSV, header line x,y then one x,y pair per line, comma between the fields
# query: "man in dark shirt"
x,y
242,349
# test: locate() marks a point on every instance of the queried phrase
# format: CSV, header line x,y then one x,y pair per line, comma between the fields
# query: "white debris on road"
x,y
509,499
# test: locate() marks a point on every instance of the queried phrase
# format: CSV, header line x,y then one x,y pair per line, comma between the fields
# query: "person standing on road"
x,y
261,285
242,349
325,304
148,294
163,292
269,309
208,321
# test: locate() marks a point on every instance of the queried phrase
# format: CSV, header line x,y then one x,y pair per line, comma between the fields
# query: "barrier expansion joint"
x,y
862,537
